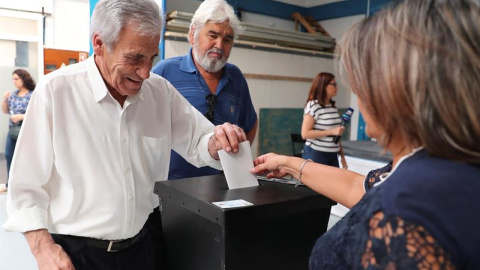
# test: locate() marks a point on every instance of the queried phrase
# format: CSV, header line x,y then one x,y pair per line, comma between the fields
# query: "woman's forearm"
x,y
342,186
315,134
5,106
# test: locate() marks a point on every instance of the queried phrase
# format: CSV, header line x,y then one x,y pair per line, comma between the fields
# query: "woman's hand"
x,y
6,95
17,117
5,105
270,163
337,131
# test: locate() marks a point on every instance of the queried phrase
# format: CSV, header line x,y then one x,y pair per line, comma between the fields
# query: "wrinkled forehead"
x,y
223,28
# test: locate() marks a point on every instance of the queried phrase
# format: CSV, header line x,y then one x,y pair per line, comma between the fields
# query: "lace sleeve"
x,y
373,177
394,243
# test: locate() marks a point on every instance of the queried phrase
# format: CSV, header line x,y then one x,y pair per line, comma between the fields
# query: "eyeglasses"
x,y
334,84
211,98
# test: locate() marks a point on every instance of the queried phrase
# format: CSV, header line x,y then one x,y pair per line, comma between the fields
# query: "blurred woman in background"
x,y
15,104
322,123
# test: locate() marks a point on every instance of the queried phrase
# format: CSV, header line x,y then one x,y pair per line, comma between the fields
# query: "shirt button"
x,y
128,169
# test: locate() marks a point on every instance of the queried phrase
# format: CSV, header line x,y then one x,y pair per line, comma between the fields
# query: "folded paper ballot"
x,y
236,167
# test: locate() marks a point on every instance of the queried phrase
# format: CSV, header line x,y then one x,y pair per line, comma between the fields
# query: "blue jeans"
x,y
9,149
326,158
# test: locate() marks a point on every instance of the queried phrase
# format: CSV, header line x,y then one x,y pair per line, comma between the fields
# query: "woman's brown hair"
x,y
28,82
318,90
416,68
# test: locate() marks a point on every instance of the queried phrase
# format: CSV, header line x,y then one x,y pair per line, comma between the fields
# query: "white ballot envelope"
x,y
236,167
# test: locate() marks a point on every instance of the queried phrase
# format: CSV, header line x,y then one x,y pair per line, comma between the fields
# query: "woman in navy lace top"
x,y
415,68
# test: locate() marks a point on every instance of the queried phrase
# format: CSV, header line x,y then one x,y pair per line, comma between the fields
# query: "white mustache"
x,y
215,50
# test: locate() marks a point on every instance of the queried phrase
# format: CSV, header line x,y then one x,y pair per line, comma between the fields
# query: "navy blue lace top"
x,y
425,215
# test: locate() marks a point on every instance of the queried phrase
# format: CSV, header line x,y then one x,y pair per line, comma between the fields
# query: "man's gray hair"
x,y
214,11
110,16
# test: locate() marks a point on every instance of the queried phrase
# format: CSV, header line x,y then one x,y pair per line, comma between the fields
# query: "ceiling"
x,y
308,3
318,9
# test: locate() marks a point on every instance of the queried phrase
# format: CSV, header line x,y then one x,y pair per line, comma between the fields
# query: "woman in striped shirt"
x,y
322,123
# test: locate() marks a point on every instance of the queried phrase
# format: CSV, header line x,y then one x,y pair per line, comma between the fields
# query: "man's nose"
x,y
144,71
219,44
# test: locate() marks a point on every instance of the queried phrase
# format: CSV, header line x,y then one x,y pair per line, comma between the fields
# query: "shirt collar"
x,y
99,88
187,64
386,175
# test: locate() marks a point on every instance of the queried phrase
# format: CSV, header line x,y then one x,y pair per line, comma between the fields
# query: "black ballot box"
x,y
277,232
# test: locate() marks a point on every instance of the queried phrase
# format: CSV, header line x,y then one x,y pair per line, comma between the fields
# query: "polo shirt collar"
x,y
187,64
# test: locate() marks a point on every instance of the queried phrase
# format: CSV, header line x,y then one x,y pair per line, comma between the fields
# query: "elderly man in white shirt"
x,y
96,137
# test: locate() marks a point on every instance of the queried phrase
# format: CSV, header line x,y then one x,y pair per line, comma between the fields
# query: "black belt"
x,y
107,245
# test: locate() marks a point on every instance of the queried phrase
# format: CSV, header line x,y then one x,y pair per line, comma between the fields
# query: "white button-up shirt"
x,y
86,166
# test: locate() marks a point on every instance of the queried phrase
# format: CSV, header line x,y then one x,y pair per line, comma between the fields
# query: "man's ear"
x,y
190,35
98,45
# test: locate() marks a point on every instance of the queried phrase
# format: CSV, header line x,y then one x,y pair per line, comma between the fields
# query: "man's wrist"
x,y
38,238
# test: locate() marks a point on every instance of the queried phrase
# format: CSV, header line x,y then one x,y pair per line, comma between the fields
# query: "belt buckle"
x,y
110,244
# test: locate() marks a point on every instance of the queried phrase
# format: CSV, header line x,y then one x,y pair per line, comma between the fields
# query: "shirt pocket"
x,y
228,111
156,157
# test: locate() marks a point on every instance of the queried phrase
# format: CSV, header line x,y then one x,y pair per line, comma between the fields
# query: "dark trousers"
x,y
9,149
326,158
154,226
145,254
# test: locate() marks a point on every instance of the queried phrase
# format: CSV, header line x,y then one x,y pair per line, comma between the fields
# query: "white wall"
x,y
188,6
336,28
69,27
277,23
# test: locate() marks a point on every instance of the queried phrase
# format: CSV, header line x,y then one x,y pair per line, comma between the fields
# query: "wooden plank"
x,y
276,77
316,25
305,24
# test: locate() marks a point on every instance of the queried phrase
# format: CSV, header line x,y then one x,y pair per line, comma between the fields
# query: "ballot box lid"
x,y
270,200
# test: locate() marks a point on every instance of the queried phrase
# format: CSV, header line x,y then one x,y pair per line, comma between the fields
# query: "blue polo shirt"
x,y
233,103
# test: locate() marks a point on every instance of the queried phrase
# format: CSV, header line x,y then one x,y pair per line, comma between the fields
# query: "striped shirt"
x,y
325,118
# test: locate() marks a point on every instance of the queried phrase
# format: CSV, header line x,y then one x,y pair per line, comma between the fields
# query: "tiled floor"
x,y
14,251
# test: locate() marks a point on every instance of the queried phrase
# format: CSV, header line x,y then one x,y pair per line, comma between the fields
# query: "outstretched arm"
x,y
342,186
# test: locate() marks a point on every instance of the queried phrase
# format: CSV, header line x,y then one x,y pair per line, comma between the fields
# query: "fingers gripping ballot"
x,y
226,137
270,164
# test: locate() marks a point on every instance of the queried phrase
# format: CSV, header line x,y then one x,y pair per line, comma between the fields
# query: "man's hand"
x,y
48,254
226,137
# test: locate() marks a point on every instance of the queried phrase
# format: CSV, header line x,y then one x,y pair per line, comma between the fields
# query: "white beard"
x,y
211,65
